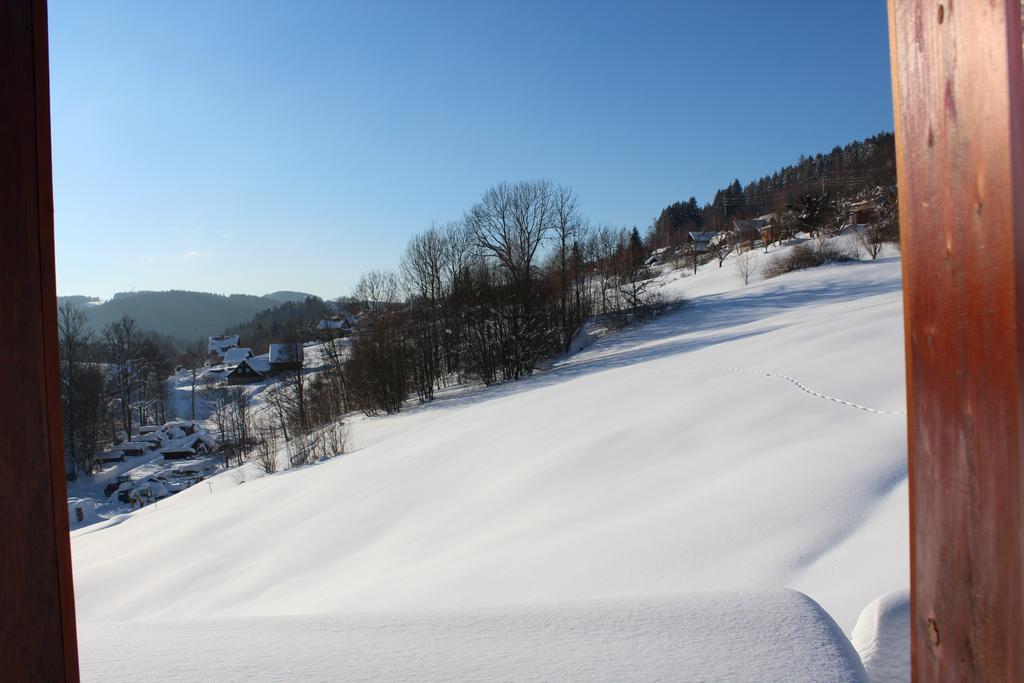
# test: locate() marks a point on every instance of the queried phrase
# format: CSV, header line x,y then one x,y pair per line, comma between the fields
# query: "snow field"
x,y
643,468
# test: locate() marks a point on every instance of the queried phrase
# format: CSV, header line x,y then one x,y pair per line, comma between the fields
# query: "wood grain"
x,y
958,78
37,624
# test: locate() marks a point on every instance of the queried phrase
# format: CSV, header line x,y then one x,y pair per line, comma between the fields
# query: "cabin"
x,y
237,355
148,429
217,346
104,457
135,449
186,426
747,230
698,240
337,325
178,453
250,370
202,443
285,357
862,212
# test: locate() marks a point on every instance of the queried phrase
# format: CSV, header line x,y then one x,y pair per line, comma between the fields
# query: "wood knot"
x,y
933,632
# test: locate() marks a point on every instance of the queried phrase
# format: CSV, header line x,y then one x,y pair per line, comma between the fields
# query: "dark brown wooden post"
x,y
958,85
37,611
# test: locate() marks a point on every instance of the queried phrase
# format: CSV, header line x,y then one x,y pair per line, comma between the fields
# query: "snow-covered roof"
x,y
286,353
219,345
260,364
699,236
205,438
237,355
335,322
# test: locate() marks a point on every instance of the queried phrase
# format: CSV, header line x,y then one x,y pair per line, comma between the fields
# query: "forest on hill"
x,y
843,173
179,314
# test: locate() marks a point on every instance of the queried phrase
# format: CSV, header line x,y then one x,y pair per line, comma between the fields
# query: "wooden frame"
x,y
958,88
958,85
37,619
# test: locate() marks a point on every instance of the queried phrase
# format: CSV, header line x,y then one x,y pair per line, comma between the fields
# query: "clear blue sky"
x,y
252,146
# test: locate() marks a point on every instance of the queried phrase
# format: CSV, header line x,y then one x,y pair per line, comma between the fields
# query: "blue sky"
x,y
255,146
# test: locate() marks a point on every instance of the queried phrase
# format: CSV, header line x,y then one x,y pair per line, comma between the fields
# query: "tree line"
x,y
847,172
487,298
110,382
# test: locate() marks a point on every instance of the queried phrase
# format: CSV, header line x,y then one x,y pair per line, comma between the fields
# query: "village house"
x,y
250,370
335,325
697,241
862,212
217,346
747,230
178,453
237,355
285,356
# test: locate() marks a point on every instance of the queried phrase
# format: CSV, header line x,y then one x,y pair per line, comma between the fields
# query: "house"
x,y
862,212
217,346
335,324
155,439
285,356
104,457
135,448
186,426
747,230
201,443
237,355
178,453
252,369
698,241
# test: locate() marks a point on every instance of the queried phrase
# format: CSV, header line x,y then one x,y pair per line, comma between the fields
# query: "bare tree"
x,y
122,339
568,227
871,238
265,447
83,399
192,358
511,222
377,290
744,263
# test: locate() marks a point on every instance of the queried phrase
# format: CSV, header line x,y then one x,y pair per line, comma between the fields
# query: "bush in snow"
x,y
806,255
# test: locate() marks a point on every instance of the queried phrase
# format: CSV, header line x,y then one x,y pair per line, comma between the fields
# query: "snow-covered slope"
x,y
752,438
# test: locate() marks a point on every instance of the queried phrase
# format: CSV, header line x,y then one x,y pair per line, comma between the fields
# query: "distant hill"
x,y
285,296
178,313
78,299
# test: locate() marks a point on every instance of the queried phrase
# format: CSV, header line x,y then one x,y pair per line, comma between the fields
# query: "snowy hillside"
x,y
751,439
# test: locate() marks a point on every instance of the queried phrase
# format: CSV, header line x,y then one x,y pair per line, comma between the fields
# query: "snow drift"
x,y
747,636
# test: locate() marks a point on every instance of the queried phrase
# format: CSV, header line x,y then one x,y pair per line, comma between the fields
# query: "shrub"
x,y
806,255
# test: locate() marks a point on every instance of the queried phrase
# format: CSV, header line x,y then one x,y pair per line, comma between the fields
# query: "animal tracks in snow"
x,y
802,387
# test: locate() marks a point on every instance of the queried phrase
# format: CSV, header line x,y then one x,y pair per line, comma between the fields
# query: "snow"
x,y
286,353
746,636
882,638
750,439
236,355
259,363
220,345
